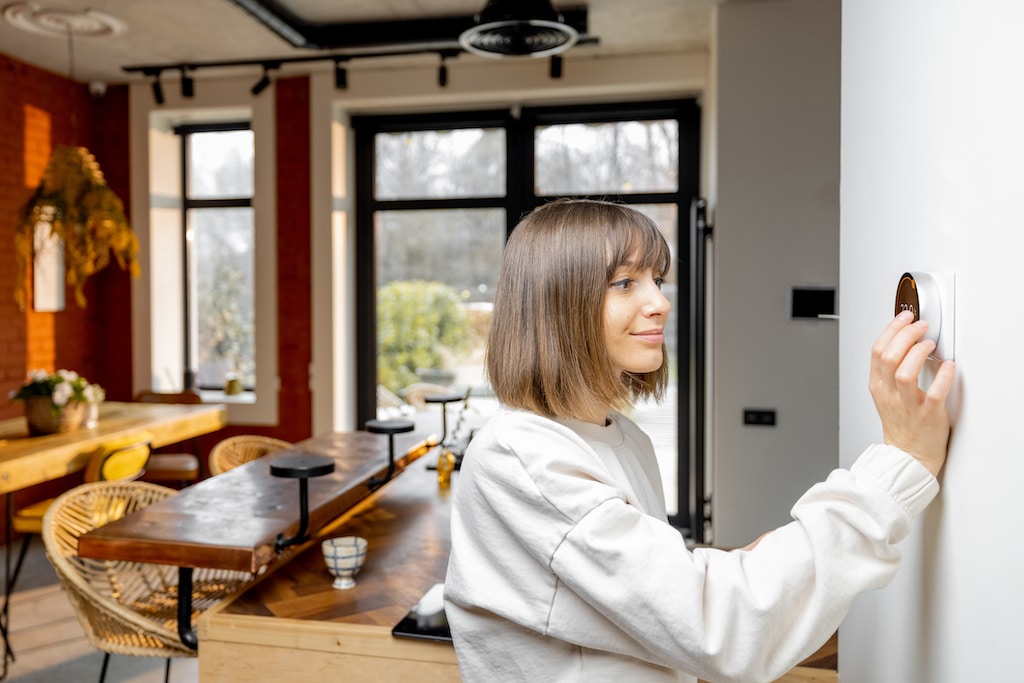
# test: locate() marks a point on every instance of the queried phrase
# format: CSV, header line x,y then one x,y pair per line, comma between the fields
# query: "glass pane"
x,y
221,245
436,274
607,158
220,164
659,420
440,164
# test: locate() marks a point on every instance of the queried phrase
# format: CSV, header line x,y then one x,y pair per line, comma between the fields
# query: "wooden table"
x,y
292,625
30,460
233,520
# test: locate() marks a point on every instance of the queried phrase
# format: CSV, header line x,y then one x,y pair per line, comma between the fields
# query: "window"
x,y
219,255
446,191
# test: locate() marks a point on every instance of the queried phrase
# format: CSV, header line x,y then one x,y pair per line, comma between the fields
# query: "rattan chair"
x,y
122,458
238,450
125,608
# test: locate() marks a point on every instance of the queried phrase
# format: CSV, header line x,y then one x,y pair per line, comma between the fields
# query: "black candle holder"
x,y
301,467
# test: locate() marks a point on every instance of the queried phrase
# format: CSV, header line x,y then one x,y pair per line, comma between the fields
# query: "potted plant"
x,y
74,201
56,402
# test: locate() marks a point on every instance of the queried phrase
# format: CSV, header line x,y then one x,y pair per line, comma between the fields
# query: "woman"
x,y
563,566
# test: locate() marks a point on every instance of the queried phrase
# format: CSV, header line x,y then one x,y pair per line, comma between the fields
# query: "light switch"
x,y
930,297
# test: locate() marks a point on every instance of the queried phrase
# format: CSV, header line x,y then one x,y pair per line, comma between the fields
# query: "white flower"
x,y
94,394
39,376
67,375
61,393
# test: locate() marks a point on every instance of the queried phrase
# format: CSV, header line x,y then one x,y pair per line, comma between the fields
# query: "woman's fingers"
x,y
912,419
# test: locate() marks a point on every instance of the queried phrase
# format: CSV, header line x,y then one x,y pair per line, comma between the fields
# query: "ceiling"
x,y
189,31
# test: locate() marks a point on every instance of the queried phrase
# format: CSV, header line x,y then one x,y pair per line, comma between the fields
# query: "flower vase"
x,y
44,418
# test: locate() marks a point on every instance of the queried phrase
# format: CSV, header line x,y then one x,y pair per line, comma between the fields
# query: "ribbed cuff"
x,y
900,474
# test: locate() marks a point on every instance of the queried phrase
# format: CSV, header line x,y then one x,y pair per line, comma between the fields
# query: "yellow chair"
x,y
123,458
125,608
238,450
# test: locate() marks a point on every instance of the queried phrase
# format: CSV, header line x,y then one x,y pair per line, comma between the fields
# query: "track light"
x,y
442,74
556,66
264,81
340,75
158,91
188,84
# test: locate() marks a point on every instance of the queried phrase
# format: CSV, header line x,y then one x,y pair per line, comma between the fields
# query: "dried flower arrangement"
x,y
74,200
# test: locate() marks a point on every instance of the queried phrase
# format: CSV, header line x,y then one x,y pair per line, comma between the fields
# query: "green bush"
x,y
420,324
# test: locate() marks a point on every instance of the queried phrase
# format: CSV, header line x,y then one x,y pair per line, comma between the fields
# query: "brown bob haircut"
x,y
546,350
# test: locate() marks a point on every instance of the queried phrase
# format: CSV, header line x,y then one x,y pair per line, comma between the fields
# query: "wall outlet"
x,y
761,417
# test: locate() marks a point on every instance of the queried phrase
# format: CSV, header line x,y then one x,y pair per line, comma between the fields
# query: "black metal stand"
x,y
389,427
300,467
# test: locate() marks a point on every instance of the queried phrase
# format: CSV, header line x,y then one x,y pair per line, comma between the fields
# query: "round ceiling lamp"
x,y
518,28
61,22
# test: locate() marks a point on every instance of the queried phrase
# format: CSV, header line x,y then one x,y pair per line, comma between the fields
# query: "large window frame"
x,y
192,204
520,198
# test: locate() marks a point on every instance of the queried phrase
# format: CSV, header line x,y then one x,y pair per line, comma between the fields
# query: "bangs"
x,y
632,236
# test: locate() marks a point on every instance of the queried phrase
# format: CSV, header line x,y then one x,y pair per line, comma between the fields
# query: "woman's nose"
x,y
657,303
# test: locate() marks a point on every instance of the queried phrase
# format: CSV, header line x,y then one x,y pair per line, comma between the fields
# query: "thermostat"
x,y
929,296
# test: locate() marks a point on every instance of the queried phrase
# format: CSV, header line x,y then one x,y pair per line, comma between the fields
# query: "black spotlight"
x,y
261,84
188,84
340,76
158,90
442,74
556,66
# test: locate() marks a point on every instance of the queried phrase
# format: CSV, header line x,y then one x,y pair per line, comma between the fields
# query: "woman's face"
x,y
635,315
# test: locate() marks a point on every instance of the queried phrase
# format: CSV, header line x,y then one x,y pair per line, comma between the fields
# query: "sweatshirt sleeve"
x,y
740,615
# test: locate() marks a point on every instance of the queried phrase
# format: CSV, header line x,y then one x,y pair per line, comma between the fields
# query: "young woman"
x,y
563,566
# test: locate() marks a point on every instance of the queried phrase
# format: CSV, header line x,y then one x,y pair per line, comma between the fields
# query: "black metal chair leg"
x,y
167,671
103,671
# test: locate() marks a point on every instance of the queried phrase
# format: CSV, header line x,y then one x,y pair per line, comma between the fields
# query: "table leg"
x,y
8,537
185,630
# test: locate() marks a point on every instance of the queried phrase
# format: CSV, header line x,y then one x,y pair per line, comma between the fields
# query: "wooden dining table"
x,y
29,460
235,520
26,460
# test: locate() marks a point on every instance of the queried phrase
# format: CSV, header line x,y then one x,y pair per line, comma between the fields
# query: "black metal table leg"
x,y
185,630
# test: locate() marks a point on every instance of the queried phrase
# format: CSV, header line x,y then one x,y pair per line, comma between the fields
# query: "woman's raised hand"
x,y
913,419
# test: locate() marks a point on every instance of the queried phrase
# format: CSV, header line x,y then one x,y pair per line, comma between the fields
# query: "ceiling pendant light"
x,y
518,28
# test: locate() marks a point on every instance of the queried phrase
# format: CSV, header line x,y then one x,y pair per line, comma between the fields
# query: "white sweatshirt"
x,y
563,566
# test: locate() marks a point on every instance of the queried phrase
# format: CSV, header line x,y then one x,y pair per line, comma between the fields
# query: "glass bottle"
x,y
445,466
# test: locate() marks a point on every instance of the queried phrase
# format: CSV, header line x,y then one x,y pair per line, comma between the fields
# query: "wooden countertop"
x,y
292,625
232,520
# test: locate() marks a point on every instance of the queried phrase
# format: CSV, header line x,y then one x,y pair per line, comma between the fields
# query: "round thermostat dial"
x,y
919,294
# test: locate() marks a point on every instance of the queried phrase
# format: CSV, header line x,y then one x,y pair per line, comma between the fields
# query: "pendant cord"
x,y
71,84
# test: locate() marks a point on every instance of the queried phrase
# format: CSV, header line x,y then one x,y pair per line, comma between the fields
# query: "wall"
x,y
932,144
776,226
38,111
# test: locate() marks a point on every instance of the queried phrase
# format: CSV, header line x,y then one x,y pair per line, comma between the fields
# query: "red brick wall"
x,y
38,110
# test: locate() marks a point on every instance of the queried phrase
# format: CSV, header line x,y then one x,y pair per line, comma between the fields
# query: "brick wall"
x,y
38,110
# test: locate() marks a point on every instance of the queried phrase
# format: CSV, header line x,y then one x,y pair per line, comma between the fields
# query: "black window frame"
x,y
184,131
520,198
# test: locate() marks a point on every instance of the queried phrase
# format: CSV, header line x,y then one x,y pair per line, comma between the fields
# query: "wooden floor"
x,y
48,642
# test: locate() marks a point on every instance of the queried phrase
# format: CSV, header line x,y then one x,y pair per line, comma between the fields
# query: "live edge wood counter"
x,y
293,626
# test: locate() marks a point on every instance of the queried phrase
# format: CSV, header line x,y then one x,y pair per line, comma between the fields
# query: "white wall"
x,y
932,147
776,226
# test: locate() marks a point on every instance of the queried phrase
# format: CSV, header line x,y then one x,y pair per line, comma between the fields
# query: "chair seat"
x,y
29,519
172,467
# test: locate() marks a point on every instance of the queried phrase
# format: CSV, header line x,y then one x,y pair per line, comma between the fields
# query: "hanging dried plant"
x,y
74,200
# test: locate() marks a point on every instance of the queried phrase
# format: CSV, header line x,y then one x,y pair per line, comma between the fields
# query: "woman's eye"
x,y
659,281
623,284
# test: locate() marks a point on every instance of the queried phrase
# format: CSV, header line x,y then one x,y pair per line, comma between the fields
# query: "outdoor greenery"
x,y
420,324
